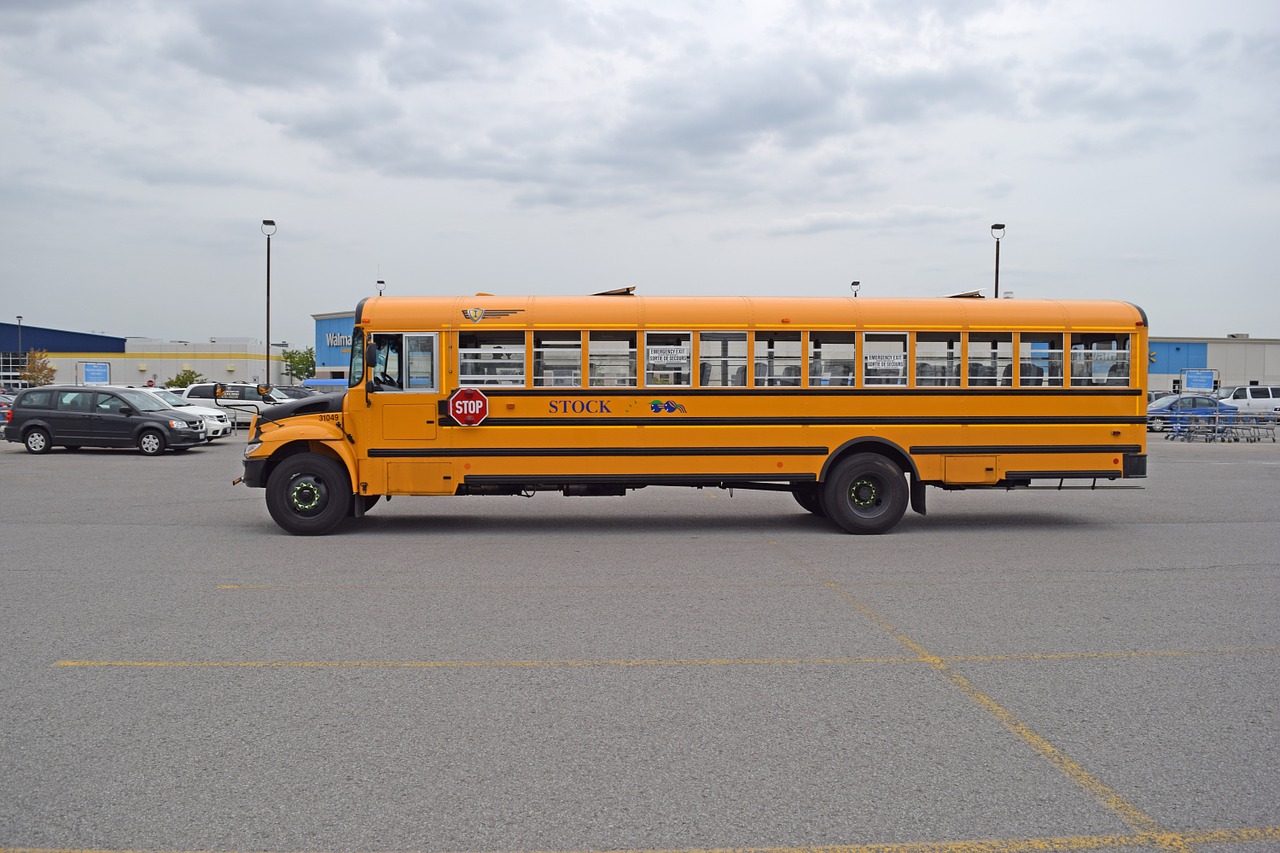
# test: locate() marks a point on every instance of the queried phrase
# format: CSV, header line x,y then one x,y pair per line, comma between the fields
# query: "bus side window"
x,y
613,358
778,358
557,359
991,359
722,359
420,360
938,359
1040,357
491,358
884,358
667,358
1099,359
833,358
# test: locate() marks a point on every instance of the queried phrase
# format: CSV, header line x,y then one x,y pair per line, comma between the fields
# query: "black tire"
x,y
151,442
865,493
309,494
37,441
810,498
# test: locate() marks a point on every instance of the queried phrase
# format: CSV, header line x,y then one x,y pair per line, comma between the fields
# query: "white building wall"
x,y
155,361
1240,361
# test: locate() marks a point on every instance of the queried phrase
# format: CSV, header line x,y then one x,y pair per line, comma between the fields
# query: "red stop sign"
x,y
468,406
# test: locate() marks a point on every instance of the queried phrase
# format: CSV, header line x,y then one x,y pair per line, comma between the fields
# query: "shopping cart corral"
x,y
1224,428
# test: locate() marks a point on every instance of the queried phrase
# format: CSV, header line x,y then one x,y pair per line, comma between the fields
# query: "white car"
x,y
217,422
1253,399
242,398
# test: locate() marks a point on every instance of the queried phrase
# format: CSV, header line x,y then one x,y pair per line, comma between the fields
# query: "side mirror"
x,y
370,358
127,411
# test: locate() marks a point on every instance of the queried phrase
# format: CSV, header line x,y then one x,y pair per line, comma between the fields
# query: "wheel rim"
x,y
35,441
866,496
150,443
308,495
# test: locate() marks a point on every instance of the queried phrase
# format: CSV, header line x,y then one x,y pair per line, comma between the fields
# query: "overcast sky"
x,y
694,147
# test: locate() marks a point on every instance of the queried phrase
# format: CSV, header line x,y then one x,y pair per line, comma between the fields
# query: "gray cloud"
x,y
281,44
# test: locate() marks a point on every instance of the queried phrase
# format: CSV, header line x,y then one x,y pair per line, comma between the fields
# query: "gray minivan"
x,y
84,416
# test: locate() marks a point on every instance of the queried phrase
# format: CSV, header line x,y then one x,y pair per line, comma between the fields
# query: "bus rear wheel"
x,y
810,498
865,493
309,494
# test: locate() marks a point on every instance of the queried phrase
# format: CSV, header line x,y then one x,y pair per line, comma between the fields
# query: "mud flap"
x,y
917,496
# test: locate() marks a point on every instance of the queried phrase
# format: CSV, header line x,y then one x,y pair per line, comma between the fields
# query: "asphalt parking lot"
x,y
675,669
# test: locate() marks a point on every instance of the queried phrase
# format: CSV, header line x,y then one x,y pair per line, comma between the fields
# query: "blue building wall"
x,y
333,341
1172,357
56,340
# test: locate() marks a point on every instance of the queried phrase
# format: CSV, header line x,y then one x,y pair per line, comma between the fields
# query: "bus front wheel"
x,y
309,494
865,493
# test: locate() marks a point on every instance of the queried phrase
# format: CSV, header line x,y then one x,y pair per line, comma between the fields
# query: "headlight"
x,y
251,447
176,424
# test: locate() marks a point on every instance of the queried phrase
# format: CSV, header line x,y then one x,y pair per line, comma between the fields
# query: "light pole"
x,y
268,228
997,231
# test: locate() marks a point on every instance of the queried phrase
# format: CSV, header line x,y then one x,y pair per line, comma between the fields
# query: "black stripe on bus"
x,y
438,452
634,480
1062,475
665,391
1004,449
806,420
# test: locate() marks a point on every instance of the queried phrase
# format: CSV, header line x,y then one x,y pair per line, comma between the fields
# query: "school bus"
x,y
853,405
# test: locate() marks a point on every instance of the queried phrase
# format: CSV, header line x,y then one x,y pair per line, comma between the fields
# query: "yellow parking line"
x,y
1160,840
535,664
1133,816
550,587
478,664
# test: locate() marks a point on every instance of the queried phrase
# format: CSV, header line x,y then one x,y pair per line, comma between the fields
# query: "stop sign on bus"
x,y
468,406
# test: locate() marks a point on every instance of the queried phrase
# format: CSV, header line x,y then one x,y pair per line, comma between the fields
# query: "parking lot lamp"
x,y
268,228
997,231
23,360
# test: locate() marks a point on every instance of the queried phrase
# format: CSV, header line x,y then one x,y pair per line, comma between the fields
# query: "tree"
x,y
300,363
185,378
38,370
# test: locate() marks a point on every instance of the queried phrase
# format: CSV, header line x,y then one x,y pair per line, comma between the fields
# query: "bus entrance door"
x,y
403,413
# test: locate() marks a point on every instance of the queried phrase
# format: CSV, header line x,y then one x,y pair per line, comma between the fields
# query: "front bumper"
x,y
255,476
185,437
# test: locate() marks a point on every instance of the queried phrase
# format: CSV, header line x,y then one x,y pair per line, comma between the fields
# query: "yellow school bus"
x,y
853,405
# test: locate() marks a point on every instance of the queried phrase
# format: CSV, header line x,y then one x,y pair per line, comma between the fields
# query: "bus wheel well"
x,y
887,449
890,451
293,448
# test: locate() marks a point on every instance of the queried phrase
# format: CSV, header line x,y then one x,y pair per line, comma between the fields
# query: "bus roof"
x,y
741,312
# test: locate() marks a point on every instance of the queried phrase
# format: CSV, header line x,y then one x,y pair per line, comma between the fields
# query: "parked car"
x,y
243,398
1177,410
1253,399
84,416
217,422
295,392
6,400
